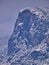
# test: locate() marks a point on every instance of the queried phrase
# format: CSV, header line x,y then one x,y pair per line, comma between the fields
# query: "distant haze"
x,y
9,11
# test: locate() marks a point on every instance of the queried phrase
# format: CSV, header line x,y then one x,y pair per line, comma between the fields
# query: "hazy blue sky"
x,y
9,10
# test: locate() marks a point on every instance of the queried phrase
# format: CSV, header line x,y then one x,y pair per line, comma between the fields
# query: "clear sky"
x,y
9,10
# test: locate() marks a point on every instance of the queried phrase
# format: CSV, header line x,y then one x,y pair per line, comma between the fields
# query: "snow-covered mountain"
x,y
29,42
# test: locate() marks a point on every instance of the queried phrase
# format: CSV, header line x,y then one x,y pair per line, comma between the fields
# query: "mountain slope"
x,y
29,42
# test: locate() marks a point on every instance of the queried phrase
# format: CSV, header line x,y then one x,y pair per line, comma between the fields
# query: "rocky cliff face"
x,y
29,42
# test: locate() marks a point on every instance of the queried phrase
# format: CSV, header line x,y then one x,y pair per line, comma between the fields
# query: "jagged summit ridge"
x,y
29,37
38,11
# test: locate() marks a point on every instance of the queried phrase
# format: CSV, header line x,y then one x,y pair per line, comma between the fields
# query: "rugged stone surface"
x,y
29,42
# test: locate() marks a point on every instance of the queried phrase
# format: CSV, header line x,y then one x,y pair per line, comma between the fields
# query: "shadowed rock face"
x,y
29,31
22,27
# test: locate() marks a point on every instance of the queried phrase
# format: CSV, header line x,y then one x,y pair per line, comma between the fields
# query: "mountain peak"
x,y
29,35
